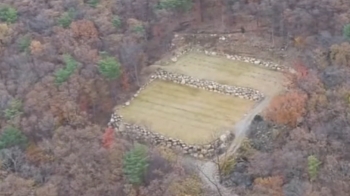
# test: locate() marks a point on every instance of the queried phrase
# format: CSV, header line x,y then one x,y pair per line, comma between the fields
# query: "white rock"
x,y
213,53
174,59
183,81
127,103
222,146
257,62
223,138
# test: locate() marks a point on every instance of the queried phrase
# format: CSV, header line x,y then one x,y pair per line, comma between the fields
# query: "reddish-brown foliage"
x,y
287,108
300,73
125,81
271,185
84,29
108,138
36,47
301,70
36,155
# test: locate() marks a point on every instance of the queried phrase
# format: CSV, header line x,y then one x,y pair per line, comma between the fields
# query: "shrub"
x,y
8,14
66,18
84,29
138,29
116,22
346,31
189,186
287,108
313,166
226,165
108,138
270,185
14,109
135,164
109,67
24,43
63,74
246,148
92,3
175,5
12,137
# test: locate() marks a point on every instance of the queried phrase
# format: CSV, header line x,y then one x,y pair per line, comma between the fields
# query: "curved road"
x,y
208,170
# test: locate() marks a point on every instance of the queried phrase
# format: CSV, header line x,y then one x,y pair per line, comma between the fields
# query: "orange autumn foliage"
x,y
287,108
36,155
125,81
271,185
84,29
108,138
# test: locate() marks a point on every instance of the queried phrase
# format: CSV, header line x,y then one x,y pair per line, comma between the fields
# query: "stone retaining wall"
x,y
199,151
181,46
189,48
143,134
242,92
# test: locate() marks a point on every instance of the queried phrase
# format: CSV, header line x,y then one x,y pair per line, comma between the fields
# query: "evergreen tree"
x,y
135,164
109,67
12,137
313,166
346,31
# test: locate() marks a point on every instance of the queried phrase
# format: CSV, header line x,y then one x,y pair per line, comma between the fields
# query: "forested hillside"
x,y
65,64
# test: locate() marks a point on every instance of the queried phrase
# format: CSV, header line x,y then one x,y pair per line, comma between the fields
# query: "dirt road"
x,y
208,171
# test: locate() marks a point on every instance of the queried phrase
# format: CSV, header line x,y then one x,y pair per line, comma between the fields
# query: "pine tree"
x,y
346,31
12,137
109,67
313,166
135,164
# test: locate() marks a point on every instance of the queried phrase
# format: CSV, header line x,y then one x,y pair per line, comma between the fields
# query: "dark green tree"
x,y
13,110
109,67
175,5
67,18
117,22
63,74
346,31
313,166
11,136
8,14
135,164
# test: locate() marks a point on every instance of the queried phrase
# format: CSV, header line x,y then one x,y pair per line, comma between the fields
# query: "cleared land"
x,y
229,72
192,115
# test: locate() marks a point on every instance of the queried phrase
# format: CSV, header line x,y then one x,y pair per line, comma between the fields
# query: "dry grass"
x,y
193,115
229,72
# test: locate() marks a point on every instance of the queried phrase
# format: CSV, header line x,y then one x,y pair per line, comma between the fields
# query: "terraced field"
x,y
226,71
198,116
193,115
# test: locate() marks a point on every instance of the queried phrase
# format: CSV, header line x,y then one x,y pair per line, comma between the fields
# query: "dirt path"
x,y
242,126
208,170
